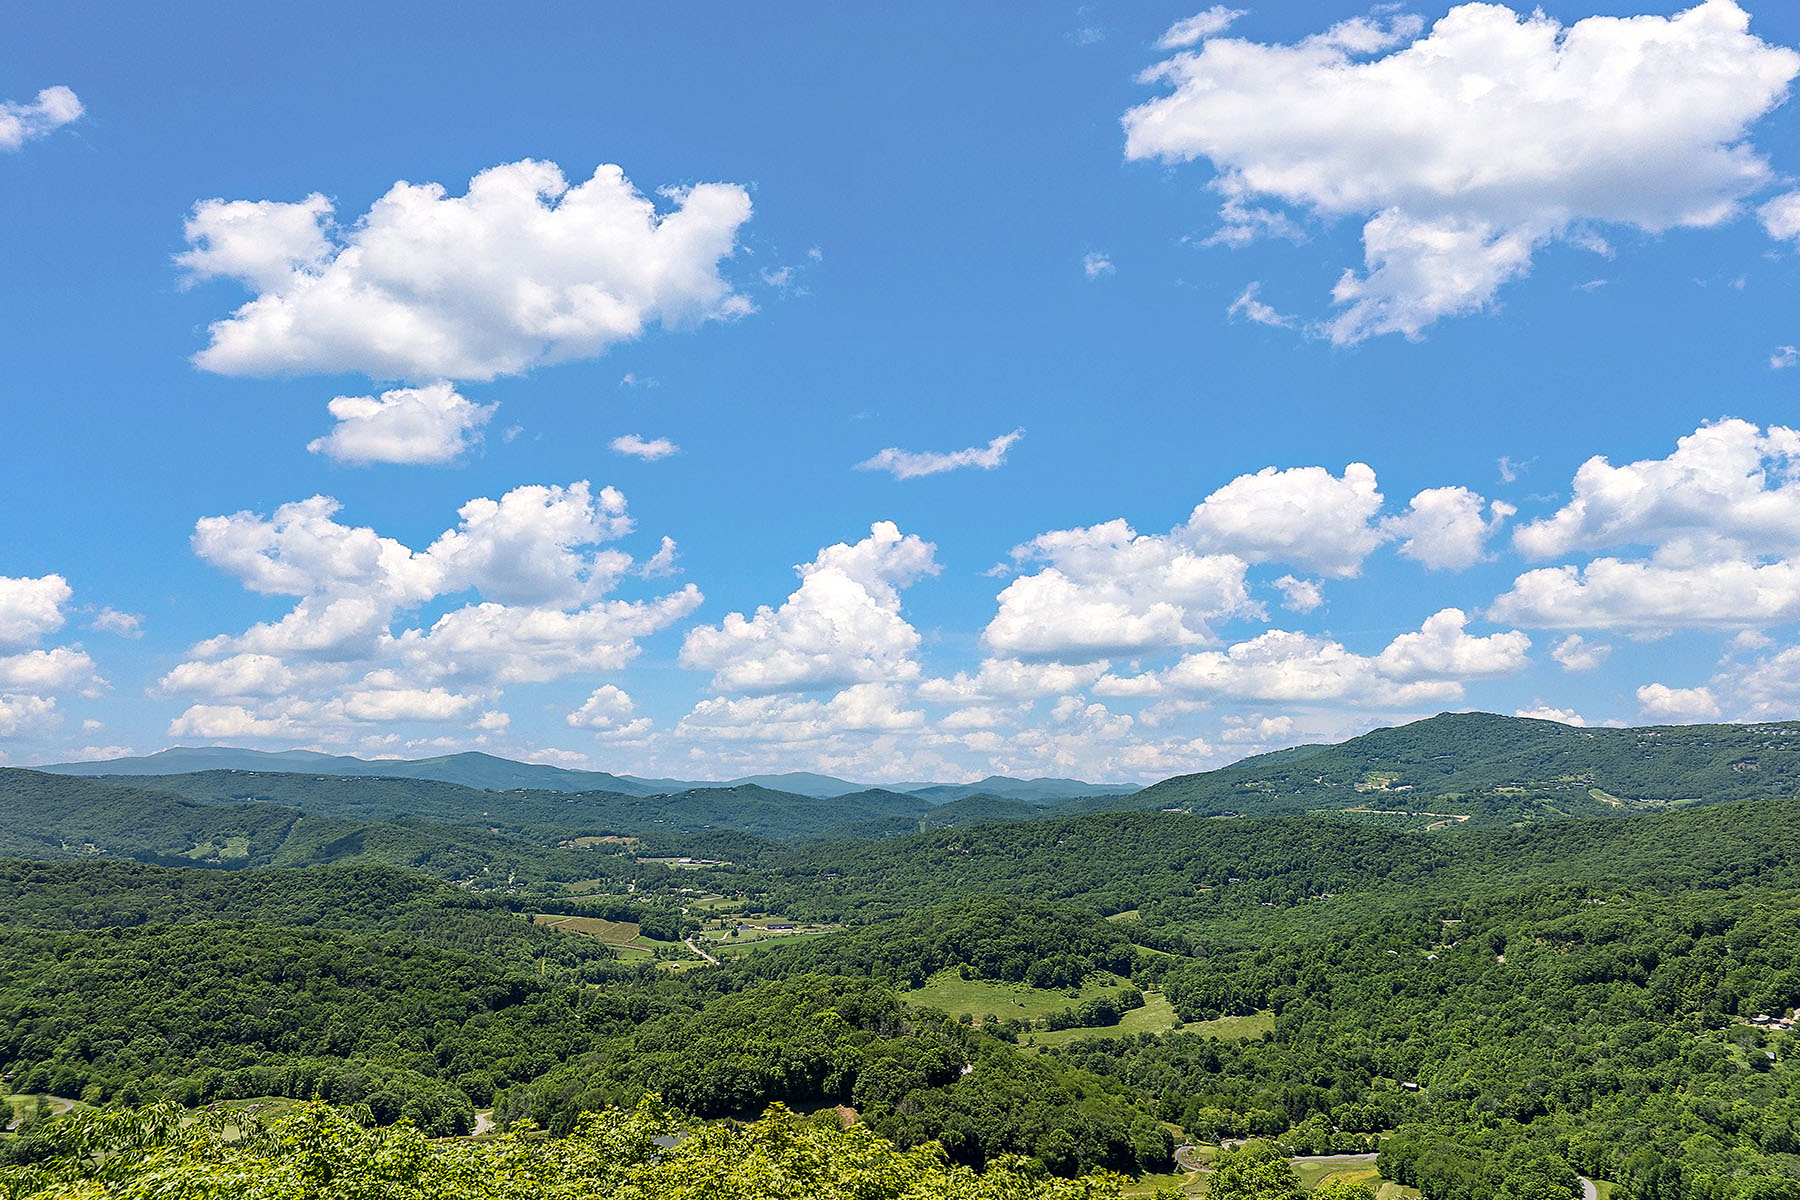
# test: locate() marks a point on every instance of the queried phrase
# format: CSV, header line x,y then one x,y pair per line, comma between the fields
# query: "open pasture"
x,y
955,995
1156,1016
613,933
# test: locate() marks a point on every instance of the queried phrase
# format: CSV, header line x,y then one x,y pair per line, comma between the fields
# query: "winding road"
x,y
689,943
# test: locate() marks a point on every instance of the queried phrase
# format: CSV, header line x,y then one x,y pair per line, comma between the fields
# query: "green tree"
x,y
1254,1171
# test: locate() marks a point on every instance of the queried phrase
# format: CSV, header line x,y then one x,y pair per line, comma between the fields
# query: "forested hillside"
x,y
1496,1009
746,808
1502,769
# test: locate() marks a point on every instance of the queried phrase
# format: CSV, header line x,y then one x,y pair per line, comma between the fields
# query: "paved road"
x,y
484,1123
689,943
1588,1190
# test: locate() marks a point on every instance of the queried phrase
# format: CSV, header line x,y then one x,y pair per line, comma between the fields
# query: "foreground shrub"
x,y
322,1153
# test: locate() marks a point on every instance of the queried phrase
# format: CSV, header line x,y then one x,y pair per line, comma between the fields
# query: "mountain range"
x,y
490,773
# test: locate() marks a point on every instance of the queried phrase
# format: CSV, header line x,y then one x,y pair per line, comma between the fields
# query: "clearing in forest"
x,y
613,933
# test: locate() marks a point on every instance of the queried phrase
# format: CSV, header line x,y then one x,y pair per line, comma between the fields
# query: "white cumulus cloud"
x,y
31,608
1720,517
1282,666
1467,150
1446,528
53,108
521,271
1303,516
1109,590
32,677
1442,649
1575,653
1652,597
609,711
1543,712
841,626
1299,595
120,624
1677,704
1781,216
428,425
535,567
648,449
1729,488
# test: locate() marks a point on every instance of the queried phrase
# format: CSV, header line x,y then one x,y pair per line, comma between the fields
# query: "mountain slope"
x,y
471,769
490,773
1500,769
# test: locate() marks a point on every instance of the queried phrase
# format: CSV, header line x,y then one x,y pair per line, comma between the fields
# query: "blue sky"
x,y
720,261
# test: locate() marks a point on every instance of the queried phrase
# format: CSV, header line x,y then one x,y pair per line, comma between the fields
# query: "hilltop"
x,y
1489,768
491,773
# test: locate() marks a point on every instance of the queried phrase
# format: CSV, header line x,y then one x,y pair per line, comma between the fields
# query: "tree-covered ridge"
x,y
912,1076
57,816
46,816
1178,868
1505,1007
1109,862
648,1153
993,937
541,813
204,1012
101,893
1608,1033
1502,769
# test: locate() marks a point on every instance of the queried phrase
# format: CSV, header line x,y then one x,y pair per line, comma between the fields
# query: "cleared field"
x,y
1252,1026
235,846
1315,1172
714,904
1186,1183
613,933
263,1107
955,995
1157,1016
738,947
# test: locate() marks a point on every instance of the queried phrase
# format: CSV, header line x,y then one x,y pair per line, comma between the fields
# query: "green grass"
x,y
1157,1016
233,847
1187,1183
955,995
1252,1026
715,904
613,933
1314,1174
738,947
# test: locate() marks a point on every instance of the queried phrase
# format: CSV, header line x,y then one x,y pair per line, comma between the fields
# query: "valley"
x,y
1497,1005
